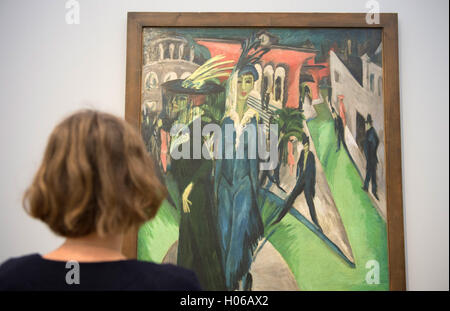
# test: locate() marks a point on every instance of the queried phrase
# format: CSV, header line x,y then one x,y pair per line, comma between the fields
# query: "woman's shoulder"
x,y
15,269
167,276
32,272
17,262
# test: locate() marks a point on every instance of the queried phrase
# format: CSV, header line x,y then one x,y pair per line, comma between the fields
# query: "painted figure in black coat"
x,y
338,128
306,182
371,142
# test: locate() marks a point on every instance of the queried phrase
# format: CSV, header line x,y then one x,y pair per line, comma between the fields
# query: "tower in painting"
x,y
166,57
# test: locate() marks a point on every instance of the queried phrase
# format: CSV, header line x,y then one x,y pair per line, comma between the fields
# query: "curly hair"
x,y
96,176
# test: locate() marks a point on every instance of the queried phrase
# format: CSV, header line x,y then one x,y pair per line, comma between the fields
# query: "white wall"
x,y
360,99
48,69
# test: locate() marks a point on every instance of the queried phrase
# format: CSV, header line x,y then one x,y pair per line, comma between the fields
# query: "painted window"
x,y
280,75
278,88
372,78
151,81
170,76
186,74
380,86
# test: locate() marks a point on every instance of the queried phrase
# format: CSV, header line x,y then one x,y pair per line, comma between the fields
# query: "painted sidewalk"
x,y
327,213
365,227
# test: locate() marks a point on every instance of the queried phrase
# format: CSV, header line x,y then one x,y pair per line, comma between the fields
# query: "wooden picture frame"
x,y
389,27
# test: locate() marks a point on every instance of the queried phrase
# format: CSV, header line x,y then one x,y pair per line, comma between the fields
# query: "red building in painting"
x,y
279,71
317,72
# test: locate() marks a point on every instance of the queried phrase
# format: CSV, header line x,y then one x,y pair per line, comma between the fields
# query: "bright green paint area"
x,y
156,236
314,265
365,228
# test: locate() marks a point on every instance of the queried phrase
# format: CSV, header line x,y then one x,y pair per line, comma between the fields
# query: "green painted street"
x,y
314,265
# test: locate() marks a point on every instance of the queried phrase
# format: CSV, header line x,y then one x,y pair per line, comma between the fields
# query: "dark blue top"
x,y
32,272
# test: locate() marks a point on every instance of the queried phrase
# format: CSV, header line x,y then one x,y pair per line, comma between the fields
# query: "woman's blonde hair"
x,y
96,176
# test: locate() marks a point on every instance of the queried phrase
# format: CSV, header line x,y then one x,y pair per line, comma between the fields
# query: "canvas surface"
x,y
316,220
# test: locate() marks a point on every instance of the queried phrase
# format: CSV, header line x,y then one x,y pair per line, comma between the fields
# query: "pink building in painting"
x,y
280,70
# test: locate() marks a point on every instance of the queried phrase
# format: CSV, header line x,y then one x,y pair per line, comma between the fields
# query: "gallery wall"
x,y
49,69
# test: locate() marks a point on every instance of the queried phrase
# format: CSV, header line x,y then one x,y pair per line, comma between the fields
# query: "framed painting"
x,y
277,136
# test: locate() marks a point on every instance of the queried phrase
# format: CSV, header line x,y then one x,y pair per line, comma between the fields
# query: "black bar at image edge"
x,y
228,301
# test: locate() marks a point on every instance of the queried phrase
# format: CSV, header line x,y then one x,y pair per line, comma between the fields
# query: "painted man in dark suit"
x,y
338,128
371,142
306,182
